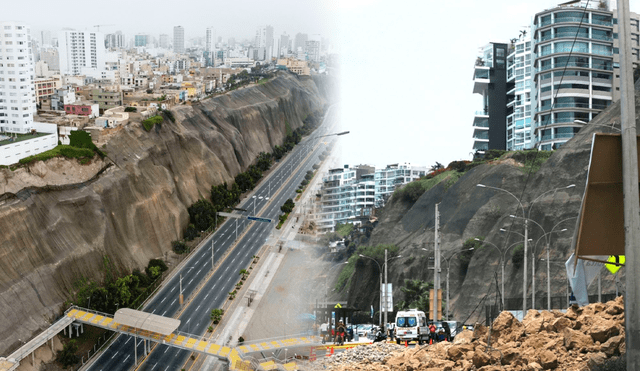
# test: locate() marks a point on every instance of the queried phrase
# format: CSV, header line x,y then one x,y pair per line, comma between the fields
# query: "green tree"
x,y
202,214
216,315
517,256
67,356
288,206
179,247
416,295
244,273
244,181
264,161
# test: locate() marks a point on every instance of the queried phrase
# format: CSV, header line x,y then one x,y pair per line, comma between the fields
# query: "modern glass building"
x,y
490,81
576,68
392,176
519,93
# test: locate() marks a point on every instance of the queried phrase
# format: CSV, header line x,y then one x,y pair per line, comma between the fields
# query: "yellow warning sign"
x,y
618,262
338,306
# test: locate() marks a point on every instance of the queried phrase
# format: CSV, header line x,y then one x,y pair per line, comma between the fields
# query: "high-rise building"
x,y
209,47
312,48
80,49
141,40
51,57
576,68
178,39
490,81
300,41
283,46
264,43
163,40
17,89
519,92
114,40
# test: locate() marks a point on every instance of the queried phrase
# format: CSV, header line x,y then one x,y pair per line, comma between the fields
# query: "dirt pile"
x,y
576,340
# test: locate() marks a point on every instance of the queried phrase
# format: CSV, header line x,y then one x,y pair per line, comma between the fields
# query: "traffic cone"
x,y
430,341
331,350
406,343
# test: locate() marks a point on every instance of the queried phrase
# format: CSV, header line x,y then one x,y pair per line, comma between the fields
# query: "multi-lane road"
x,y
211,291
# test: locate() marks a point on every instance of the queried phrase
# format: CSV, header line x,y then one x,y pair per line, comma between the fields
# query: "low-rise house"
x,y
113,117
82,108
61,97
46,87
106,99
296,66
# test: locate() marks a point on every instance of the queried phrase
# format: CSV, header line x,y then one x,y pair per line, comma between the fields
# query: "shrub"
x,y
517,256
179,247
216,315
151,121
67,356
155,268
131,109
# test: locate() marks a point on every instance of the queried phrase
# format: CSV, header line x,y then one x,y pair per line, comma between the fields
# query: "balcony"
x,y
481,135
481,79
481,123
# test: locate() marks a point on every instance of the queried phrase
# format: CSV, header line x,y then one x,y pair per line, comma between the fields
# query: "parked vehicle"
x,y
411,325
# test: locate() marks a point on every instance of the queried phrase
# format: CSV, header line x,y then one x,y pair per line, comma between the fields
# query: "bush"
x,y
67,356
517,256
73,152
131,109
179,247
216,315
155,268
151,121
288,206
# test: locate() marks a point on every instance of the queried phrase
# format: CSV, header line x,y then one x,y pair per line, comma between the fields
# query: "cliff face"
x,y
51,237
468,211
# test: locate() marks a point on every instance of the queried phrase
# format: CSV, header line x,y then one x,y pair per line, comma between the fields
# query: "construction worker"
x,y
340,331
432,333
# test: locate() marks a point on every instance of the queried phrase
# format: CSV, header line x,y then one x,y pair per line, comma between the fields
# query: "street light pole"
x,y
526,234
449,266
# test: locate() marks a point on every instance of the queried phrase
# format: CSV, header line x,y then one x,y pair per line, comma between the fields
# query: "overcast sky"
x,y
407,65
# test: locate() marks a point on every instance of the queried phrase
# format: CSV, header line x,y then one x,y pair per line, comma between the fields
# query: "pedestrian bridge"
x,y
156,330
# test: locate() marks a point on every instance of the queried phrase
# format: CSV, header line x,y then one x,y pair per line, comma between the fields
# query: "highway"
x,y
279,186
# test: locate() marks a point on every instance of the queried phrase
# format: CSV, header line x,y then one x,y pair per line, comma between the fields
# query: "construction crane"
x,y
102,25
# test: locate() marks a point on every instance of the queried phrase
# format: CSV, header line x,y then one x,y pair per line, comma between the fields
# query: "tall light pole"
x,y
526,234
449,266
254,203
503,254
546,237
381,287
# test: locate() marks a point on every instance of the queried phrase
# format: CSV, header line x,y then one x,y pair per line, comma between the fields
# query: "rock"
x,y
612,346
481,358
576,340
534,366
533,326
510,355
596,359
560,324
457,351
547,360
601,331
480,331
465,337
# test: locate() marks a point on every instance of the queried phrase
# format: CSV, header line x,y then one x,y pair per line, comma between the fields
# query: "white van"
x,y
411,325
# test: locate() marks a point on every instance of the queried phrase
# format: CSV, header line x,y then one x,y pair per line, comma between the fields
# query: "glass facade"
x,y
519,99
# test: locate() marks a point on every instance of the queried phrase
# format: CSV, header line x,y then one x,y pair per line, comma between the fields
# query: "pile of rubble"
x,y
576,340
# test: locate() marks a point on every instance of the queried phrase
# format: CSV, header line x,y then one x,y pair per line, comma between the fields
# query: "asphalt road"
x,y
284,180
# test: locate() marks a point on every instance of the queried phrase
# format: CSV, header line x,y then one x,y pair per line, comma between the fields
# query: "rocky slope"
x,y
129,213
578,340
468,211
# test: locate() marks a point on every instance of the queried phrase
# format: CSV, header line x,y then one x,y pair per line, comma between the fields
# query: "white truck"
x,y
411,325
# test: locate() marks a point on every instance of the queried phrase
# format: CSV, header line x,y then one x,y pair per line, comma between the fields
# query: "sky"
x,y
406,65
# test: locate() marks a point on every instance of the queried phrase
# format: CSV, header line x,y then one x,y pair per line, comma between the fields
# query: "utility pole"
x,y
629,189
524,275
386,293
436,270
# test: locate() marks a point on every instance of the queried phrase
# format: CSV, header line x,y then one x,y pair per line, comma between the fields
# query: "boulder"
x,y
509,356
480,358
560,324
534,366
611,347
603,330
465,337
596,359
533,326
576,340
457,351
548,360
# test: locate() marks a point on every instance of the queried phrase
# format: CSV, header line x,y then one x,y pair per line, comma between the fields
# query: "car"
x,y
364,329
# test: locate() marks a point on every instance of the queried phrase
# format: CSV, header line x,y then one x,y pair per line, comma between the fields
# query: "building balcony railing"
x,y
482,113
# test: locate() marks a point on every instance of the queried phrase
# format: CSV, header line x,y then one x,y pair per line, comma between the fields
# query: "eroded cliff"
x,y
54,236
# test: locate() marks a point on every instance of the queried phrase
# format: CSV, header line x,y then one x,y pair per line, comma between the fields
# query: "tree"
x,y
517,256
179,247
202,214
288,206
67,356
264,161
216,315
436,167
244,181
416,295
244,273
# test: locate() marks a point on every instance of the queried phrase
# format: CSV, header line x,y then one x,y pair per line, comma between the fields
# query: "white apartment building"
x,y
17,89
312,48
393,176
163,41
347,193
80,50
18,97
264,43
519,72
178,39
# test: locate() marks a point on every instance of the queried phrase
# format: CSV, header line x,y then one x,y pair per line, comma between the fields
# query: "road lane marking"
x,y
125,360
114,355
